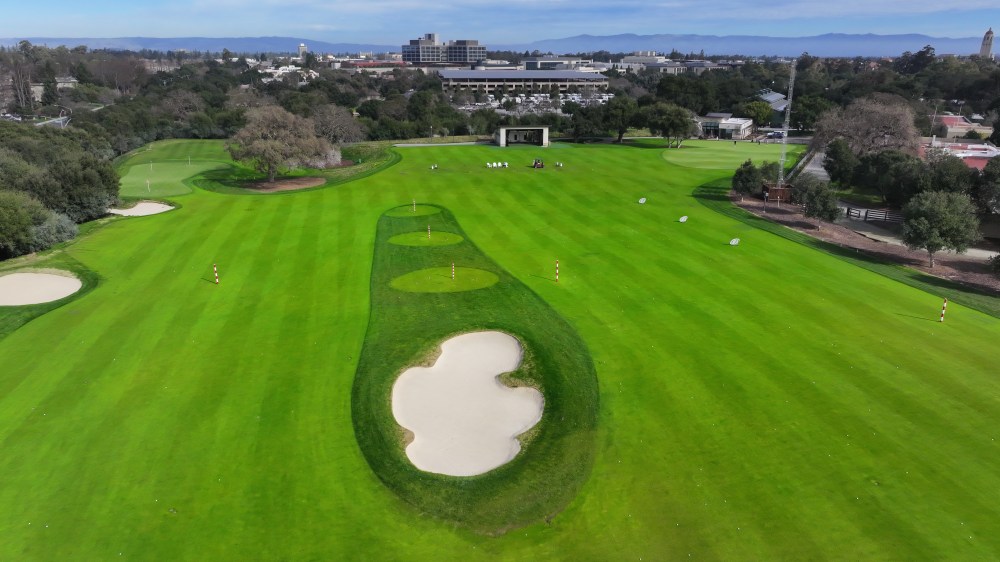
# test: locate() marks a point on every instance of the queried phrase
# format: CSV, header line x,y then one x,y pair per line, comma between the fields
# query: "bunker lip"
x,y
143,209
23,288
463,420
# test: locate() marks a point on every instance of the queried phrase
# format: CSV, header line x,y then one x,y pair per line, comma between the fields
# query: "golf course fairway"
x,y
769,401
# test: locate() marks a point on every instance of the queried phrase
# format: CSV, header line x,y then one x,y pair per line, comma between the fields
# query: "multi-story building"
x,y
465,50
528,81
429,50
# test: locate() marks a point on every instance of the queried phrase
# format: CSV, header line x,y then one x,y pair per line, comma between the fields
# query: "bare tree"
x,y
869,125
338,125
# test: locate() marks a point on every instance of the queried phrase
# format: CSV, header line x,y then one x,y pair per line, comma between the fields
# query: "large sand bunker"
x,y
18,289
464,421
142,209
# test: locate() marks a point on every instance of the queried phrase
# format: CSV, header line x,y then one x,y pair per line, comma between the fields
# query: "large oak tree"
x,y
274,139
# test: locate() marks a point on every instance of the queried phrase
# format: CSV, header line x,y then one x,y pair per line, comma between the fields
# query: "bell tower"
x,y
986,51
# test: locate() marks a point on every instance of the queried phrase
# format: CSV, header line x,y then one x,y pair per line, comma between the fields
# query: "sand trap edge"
x,y
30,287
143,209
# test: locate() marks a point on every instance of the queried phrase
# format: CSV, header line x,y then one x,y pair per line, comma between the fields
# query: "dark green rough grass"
x,y
406,328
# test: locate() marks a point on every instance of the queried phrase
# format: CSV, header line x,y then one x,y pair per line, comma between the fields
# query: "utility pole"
x,y
788,121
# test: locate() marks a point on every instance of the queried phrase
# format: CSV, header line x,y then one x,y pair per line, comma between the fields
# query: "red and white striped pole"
x,y
452,271
944,307
557,271
216,268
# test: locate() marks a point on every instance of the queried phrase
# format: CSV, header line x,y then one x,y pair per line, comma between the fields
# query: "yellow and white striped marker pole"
x,y
944,307
216,268
428,232
557,271
452,271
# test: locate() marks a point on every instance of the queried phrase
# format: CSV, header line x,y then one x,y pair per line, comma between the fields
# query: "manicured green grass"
x,y
415,307
423,239
769,401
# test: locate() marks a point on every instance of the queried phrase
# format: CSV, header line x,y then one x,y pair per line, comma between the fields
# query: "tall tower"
x,y
986,51
302,51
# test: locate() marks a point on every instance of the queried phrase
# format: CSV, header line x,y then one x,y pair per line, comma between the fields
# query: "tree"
x,y
840,162
935,220
338,125
274,139
807,110
760,111
986,193
620,113
747,180
871,124
818,199
949,172
669,121
19,214
894,175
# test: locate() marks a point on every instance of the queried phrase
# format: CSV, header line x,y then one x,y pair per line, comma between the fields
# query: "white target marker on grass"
x,y
683,219
734,242
642,201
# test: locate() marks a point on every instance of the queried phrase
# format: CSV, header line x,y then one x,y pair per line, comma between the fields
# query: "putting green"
x,y
407,211
438,280
421,239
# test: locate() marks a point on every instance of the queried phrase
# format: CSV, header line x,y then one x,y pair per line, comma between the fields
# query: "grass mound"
x,y
405,329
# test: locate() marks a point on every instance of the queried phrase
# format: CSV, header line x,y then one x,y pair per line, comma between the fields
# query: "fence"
x,y
874,215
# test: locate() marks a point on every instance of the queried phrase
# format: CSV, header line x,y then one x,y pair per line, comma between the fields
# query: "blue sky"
x,y
392,22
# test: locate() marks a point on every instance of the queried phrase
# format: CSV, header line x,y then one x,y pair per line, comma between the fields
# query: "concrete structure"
x,y
302,51
725,126
429,50
975,155
668,67
986,50
490,81
554,63
957,126
62,83
538,136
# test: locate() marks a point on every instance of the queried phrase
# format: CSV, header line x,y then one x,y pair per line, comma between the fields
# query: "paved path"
x,y
869,230
815,166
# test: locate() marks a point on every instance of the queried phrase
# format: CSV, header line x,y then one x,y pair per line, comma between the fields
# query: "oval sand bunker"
x,y
142,209
464,421
19,289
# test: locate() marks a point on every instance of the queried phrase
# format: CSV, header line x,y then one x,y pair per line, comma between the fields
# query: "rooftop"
x,y
449,74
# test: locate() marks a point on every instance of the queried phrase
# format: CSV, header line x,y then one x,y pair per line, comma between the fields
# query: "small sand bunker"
x,y
142,209
17,289
464,421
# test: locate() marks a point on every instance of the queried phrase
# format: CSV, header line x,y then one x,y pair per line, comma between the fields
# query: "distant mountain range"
x,y
828,45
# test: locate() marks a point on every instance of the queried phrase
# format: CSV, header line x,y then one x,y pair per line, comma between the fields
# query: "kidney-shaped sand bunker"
x,y
464,421
18,289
